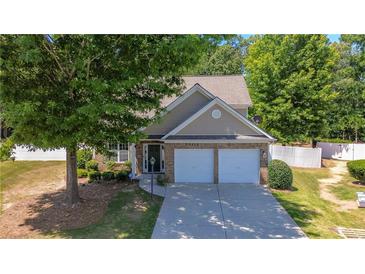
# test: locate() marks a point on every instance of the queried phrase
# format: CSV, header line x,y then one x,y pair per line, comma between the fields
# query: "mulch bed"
x,y
48,212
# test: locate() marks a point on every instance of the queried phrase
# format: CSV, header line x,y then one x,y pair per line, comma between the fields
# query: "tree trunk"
x,y
314,143
72,187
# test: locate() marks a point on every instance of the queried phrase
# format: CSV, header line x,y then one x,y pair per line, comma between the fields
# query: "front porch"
x,y
144,152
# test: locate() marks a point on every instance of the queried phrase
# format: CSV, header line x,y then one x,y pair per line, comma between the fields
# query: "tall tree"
x,y
349,85
222,58
289,77
67,91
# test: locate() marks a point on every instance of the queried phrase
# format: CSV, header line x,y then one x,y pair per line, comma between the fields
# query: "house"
x,y
204,136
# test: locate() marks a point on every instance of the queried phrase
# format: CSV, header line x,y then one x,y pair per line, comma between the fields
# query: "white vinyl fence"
x,y
342,151
23,154
297,156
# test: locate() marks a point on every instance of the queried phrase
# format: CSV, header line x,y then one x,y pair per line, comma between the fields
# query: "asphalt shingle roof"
x,y
230,88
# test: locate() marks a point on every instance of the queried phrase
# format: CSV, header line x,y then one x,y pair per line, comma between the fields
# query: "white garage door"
x,y
238,165
194,165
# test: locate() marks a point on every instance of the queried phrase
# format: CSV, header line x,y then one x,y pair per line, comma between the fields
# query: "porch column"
x,y
132,158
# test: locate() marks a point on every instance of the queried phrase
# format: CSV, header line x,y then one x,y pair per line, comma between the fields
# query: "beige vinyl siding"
x,y
179,114
227,124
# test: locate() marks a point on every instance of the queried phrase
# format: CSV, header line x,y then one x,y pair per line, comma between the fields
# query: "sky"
x,y
332,37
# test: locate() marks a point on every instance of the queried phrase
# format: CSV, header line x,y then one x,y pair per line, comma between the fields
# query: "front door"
x,y
155,152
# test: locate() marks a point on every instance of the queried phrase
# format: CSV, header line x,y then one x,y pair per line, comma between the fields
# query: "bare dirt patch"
x,y
34,182
337,171
44,212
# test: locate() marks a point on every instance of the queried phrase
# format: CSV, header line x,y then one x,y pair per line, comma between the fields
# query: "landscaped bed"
x,y
108,209
317,216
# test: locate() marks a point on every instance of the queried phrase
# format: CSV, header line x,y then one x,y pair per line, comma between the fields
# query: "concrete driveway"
x,y
223,211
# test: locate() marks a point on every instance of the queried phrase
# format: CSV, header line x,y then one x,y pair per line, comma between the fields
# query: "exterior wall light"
x,y
264,155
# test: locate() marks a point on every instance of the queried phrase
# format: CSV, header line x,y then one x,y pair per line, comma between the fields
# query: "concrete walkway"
x,y
145,184
223,211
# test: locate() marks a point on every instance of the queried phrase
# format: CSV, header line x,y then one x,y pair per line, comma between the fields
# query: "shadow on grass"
x,y
118,210
50,212
358,183
293,188
300,213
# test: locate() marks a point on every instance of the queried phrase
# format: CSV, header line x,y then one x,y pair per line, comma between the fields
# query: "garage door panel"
x,y
194,165
238,165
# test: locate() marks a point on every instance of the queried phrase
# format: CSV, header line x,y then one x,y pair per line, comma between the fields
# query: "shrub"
x,y
128,165
83,156
94,175
110,165
81,173
357,169
280,175
162,180
107,175
6,149
92,165
121,175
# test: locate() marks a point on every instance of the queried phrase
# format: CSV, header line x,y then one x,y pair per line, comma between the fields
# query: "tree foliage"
x,y
224,60
221,59
66,91
290,77
348,109
87,89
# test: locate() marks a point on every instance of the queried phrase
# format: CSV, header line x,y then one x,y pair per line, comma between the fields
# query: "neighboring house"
x,y
204,136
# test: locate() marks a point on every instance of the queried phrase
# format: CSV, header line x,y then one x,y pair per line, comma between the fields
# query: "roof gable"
x,y
195,88
249,126
226,124
180,110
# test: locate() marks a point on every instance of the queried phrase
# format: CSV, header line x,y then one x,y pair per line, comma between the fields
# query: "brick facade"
x,y
101,159
169,156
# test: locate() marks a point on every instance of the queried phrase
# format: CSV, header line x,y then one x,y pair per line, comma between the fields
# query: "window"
x,y
119,152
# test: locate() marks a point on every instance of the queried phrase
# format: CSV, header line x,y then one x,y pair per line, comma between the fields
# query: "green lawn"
x,y
318,217
130,215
